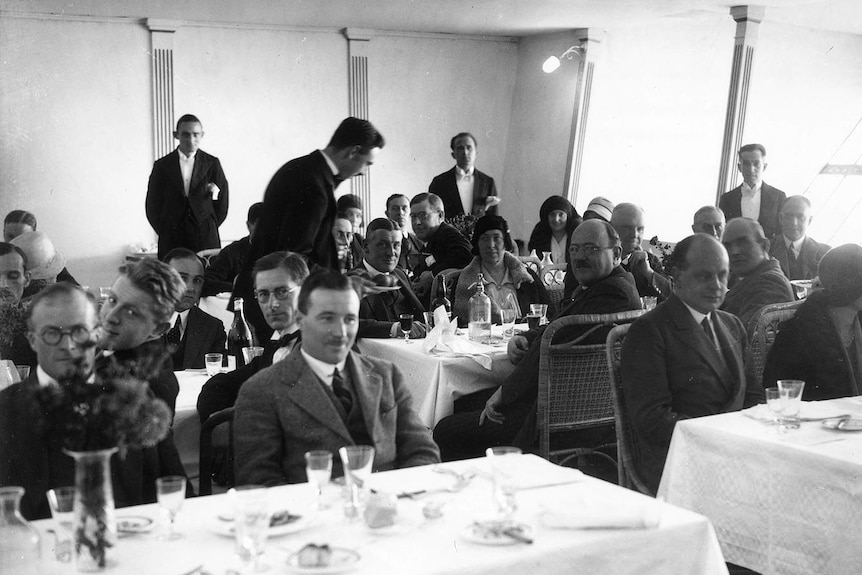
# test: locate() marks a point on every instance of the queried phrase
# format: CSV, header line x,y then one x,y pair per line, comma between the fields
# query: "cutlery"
x,y
511,532
844,417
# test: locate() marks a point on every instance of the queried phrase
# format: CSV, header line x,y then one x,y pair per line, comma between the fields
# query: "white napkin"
x,y
603,515
442,340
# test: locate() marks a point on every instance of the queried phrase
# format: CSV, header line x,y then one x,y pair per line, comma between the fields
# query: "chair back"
x,y
207,255
627,448
574,382
207,453
762,329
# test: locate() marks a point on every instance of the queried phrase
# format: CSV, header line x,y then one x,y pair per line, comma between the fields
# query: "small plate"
x,y
487,532
342,560
843,424
222,524
134,524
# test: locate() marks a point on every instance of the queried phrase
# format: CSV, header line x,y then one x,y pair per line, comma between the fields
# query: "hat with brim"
x,y
43,261
602,207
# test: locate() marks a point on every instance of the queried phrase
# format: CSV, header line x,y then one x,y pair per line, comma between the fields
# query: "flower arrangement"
x,y
662,250
13,321
464,223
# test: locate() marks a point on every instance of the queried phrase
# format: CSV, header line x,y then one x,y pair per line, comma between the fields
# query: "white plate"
x,y
223,525
134,524
342,560
476,534
844,424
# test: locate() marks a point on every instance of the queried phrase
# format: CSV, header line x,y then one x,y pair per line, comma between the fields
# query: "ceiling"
x,y
482,17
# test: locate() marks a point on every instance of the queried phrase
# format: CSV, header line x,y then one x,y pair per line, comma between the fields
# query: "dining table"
x,y
187,425
568,522
783,501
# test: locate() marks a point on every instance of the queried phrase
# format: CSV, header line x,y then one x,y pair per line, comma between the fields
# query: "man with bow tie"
x,y
754,198
464,189
378,312
277,279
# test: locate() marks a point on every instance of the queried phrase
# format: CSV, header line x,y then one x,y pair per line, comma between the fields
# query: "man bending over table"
x,y
326,397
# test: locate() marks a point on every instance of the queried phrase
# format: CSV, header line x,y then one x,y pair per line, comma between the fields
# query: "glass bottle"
x,y
20,547
442,298
479,326
240,334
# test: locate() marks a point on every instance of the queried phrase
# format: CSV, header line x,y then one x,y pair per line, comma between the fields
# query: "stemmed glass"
x,y
357,461
171,492
318,469
251,523
502,467
406,321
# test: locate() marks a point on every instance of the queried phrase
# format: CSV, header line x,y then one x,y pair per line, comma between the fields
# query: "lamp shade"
x,y
551,64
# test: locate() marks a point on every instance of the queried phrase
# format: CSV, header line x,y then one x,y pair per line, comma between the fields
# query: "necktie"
x,y
173,335
340,390
707,328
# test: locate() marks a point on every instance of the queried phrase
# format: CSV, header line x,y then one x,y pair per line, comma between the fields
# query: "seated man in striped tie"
x,y
325,397
277,278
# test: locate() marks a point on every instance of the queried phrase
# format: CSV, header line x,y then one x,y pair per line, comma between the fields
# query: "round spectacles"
x,y
78,334
280,294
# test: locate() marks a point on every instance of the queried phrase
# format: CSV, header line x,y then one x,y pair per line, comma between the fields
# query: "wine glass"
x,y
406,321
171,492
251,523
318,469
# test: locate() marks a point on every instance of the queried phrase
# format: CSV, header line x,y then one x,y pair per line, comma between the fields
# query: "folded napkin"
x,y
604,515
442,341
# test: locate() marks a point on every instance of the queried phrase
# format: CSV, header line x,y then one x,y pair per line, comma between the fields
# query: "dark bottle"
x,y
442,298
240,334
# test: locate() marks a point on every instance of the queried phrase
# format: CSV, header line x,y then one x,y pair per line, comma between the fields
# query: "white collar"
x,y
698,316
463,173
797,245
45,380
373,270
277,335
322,369
330,163
746,189
183,155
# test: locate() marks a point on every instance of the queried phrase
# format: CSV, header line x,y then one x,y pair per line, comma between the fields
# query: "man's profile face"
x,y
629,224
591,253
425,220
752,165
710,223
329,324
382,249
189,134
745,249
398,211
356,161
12,230
64,312
795,216
279,314
464,152
703,284
128,317
13,278
192,272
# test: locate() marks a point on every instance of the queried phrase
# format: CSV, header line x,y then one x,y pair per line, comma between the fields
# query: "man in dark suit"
x,y
326,397
193,333
398,212
277,279
299,204
464,189
798,255
604,287
709,220
223,267
14,279
187,196
29,457
754,198
685,358
378,312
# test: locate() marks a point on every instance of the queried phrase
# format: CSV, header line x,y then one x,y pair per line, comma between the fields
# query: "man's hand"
x,y
492,406
422,284
214,190
517,348
492,201
639,265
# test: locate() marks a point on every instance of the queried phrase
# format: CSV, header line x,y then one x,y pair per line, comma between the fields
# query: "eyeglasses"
x,y
280,294
78,334
422,216
587,250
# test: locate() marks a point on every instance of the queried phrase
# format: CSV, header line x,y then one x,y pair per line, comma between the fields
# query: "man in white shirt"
x,y
798,254
464,189
754,198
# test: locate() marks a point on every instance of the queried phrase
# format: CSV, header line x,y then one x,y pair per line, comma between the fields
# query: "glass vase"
x,y
95,527
20,547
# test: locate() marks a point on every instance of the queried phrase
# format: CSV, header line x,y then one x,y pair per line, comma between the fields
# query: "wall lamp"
x,y
552,63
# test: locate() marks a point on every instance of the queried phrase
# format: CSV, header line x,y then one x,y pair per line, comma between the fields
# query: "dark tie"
x,y
285,340
340,390
707,328
173,335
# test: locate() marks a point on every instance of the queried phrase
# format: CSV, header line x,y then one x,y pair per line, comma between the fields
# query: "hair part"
x,y
183,254
329,280
7,249
291,262
434,201
160,281
21,217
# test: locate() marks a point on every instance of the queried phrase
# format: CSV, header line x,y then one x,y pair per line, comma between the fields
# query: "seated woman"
x,y
557,219
822,343
18,222
44,262
503,273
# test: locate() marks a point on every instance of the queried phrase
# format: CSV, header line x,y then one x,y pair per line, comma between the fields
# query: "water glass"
x,y
507,318
648,302
213,363
171,492
503,468
357,461
23,371
318,469
790,391
773,402
62,503
249,353
251,523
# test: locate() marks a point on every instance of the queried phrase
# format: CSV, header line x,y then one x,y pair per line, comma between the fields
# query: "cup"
x,y
61,500
790,391
171,493
773,402
648,302
539,309
507,318
357,461
318,469
504,462
23,371
249,353
213,363
251,523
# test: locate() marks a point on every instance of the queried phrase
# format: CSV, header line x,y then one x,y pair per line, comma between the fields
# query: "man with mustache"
x,y
798,254
325,397
194,333
755,279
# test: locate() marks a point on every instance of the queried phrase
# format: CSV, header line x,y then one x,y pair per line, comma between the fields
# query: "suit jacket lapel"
x,y
694,337
306,392
733,373
368,387
177,173
192,341
202,163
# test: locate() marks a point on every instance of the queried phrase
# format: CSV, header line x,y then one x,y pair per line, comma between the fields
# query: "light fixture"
x,y
552,63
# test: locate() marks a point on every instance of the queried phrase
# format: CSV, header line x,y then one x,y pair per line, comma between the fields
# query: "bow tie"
x,y
284,340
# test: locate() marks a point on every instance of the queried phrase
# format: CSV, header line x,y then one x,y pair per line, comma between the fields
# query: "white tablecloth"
x,y
683,542
781,503
187,424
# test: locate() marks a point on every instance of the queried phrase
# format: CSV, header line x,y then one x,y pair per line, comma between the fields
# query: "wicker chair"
x,y
762,329
627,448
574,384
207,456
207,255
